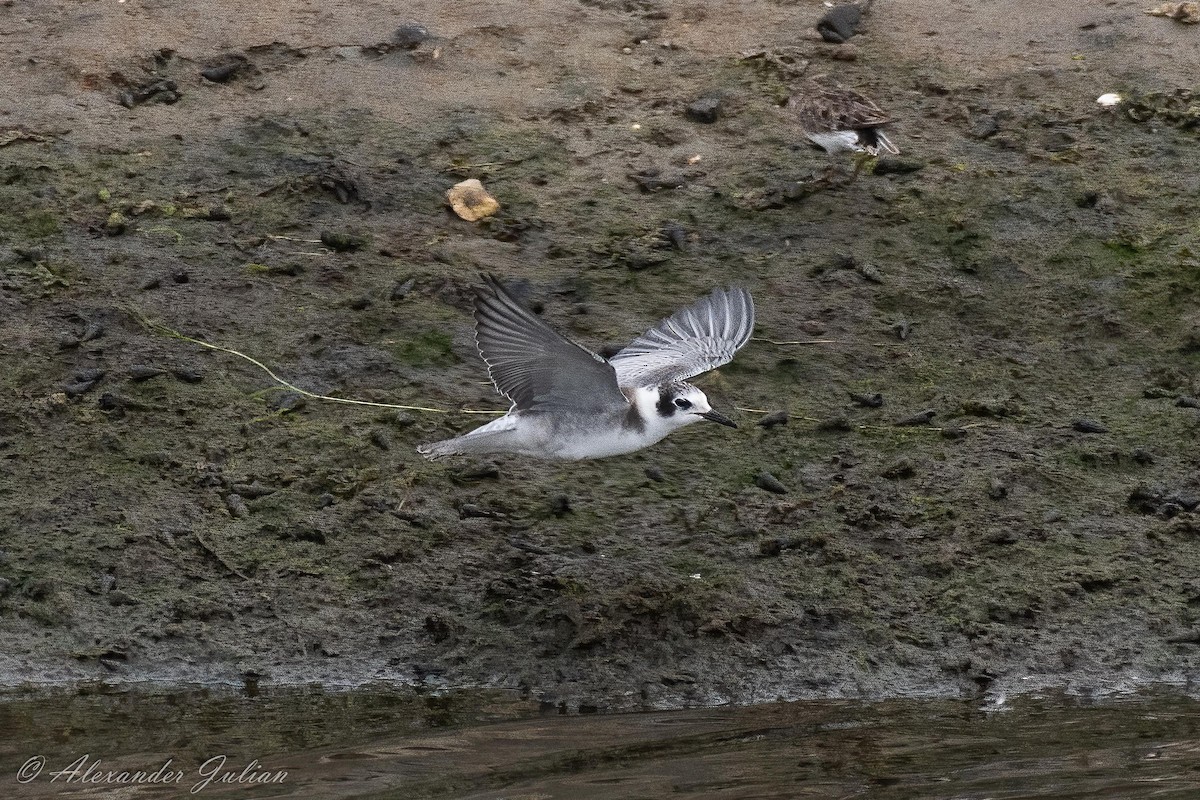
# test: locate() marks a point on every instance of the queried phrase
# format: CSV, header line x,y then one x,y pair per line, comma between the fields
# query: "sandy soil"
x,y
1026,269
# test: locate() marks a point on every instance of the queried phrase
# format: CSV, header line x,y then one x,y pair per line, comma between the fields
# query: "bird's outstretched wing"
x,y
695,339
533,365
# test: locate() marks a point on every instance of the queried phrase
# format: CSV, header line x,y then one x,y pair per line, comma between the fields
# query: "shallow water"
x,y
375,743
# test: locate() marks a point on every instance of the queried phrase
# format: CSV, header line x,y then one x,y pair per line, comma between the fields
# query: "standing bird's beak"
x,y
720,419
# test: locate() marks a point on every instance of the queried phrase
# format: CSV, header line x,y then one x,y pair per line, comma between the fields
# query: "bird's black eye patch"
x,y
679,401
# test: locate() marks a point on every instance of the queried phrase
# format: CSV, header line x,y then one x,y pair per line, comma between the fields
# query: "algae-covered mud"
x,y
1018,287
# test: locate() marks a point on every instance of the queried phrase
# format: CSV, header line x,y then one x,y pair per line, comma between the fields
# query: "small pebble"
x,y
188,375
770,547
288,402
221,73
236,506
560,505
706,110
834,424
922,418
768,482
997,489
410,35
401,290
954,433
1187,402
655,474
867,400
773,419
1088,426
901,468
144,372
380,439
839,23
902,330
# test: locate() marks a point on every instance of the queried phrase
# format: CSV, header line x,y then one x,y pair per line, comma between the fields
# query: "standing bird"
x,y
569,403
840,119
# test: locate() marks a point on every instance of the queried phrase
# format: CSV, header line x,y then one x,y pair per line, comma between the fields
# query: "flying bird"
x,y
570,403
841,120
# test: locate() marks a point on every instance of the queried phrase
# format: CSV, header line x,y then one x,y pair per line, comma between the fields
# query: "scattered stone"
x,y
655,474
847,52
835,424
342,242
254,489
402,290
867,400
1141,455
870,272
997,489
901,468
94,330
902,330
361,303
652,180
471,201
892,165
773,419
1160,501
144,372
380,439
474,511
560,505
770,547
111,402
676,234
840,23
480,470
160,91
1187,402
768,482
222,73
151,283
921,418
326,500
1088,426
287,402
989,408
410,35
236,505
188,375
954,433
706,110
984,127
181,276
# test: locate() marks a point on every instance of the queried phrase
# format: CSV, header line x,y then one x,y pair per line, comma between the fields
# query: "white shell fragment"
x,y
1108,100
471,201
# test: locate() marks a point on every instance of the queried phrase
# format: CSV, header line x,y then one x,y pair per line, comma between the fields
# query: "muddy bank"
x,y
1025,270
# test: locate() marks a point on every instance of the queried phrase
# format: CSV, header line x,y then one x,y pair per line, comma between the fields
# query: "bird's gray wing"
x,y
695,339
533,365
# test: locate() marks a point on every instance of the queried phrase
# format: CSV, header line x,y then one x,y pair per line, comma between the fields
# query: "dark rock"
x,y
342,242
474,511
901,468
655,474
768,482
188,375
144,372
997,489
410,35
653,181
839,23
401,290
706,110
902,329
834,424
236,505
921,418
1088,426
1187,402
150,283
254,489
1141,455
181,276
954,433
892,165
380,439
360,303
770,547
560,505
222,72
481,470
676,234
984,127
867,400
773,419
287,402
110,402
78,387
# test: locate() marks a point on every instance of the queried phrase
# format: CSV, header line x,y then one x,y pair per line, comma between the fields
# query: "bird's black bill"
x,y
720,419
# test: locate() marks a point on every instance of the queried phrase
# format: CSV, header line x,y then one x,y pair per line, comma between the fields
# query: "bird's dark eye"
x,y
681,403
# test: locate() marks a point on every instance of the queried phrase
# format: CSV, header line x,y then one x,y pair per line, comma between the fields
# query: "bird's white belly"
x,y
600,444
